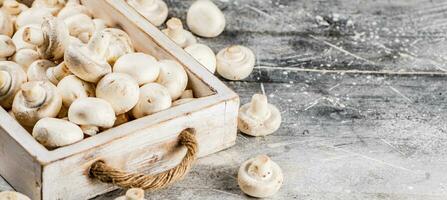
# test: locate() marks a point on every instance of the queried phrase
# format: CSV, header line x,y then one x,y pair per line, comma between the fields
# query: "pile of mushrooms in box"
x,y
65,75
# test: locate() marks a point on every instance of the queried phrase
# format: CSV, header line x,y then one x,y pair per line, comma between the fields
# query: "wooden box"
x,y
145,145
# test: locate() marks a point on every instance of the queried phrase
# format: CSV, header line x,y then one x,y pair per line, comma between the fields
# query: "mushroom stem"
x,y
5,82
135,194
56,74
259,107
34,36
33,94
261,167
235,53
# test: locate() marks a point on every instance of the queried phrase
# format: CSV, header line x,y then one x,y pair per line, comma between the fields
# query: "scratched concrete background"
x,y
362,89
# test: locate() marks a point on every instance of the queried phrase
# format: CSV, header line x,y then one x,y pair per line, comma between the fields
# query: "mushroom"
x,y
100,24
72,88
7,47
204,55
17,38
133,194
259,118
235,62
50,40
36,100
88,62
72,8
260,177
56,74
6,24
13,8
205,19
119,44
180,36
173,77
11,195
80,26
142,67
37,71
153,98
32,16
54,6
12,77
53,132
91,113
120,90
156,11
25,57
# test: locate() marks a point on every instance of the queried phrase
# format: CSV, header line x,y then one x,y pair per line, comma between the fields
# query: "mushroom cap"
x,y
13,8
72,88
133,194
173,76
32,16
12,77
142,67
80,26
6,24
92,111
72,8
235,62
258,118
17,38
25,57
53,132
7,47
204,55
156,11
36,100
53,6
119,44
6,195
37,70
205,19
120,90
260,177
153,98
180,36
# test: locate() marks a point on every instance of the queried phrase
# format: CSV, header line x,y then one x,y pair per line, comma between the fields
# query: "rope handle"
x,y
101,171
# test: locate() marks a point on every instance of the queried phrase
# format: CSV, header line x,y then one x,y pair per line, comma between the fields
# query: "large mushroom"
x,y
259,118
53,132
36,100
205,19
120,90
37,71
204,55
120,44
72,88
176,33
153,98
235,62
17,38
12,77
7,47
173,76
156,11
30,16
142,67
91,113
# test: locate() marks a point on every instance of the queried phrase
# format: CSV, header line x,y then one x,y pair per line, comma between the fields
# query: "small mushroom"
x,y
72,8
180,36
260,177
120,90
173,77
259,118
153,98
88,62
142,67
37,71
156,11
91,113
36,100
6,24
133,194
7,47
32,16
17,38
53,133
51,39
119,44
12,77
54,6
205,19
72,88
80,26
25,57
235,62
204,55
56,74
11,195
13,8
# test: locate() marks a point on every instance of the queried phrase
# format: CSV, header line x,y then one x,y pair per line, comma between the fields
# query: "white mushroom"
x,y
54,6
56,74
32,16
51,39
235,62
72,8
173,77
12,77
11,195
13,8
260,177
72,88
7,47
204,55
17,38
36,100
259,118
100,24
180,36
88,62
205,19
91,113
6,24
37,71
53,132
120,90
142,67
25,57
153,98
133,194
156,11
80,26
119,44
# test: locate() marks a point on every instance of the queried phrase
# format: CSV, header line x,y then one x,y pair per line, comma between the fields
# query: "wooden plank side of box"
x,y
151,150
